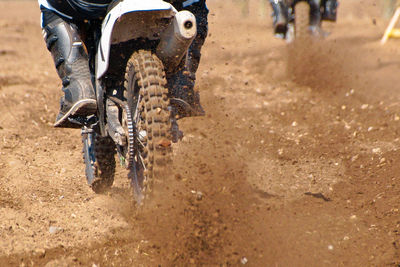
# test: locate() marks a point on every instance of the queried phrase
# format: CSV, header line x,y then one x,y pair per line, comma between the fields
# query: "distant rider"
x,y
280,14
61,22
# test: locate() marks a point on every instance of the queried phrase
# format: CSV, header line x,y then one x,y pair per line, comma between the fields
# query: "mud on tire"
x,y
145,83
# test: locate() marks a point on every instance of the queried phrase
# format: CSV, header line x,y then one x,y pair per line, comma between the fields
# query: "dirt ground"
x,y
297,161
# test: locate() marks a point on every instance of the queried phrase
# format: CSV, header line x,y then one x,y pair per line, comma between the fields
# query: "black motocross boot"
x,y
315,19
72,64
330,10
185,100
280,16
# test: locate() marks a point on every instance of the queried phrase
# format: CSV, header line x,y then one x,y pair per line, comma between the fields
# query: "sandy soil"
x,y
296,161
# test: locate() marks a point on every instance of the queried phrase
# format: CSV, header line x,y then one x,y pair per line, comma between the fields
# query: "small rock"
x,y
330,247
364,106
346,238
199,195
353,217
54,229
294,124
40,252
244,260
376,150
351,92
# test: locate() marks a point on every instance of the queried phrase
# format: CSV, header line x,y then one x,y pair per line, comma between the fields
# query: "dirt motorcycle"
x,y
305,17
130,52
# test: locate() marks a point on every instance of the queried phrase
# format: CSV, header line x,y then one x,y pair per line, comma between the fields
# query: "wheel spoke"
x,y
136,116
141,161
140,142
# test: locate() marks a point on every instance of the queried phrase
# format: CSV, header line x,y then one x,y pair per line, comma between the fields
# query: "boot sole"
x,y
81,108
280,28
184,109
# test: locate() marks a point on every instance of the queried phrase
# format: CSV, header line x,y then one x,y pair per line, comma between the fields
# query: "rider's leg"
x,y
280,16
71,61
181,84
330,9
315,16
201,13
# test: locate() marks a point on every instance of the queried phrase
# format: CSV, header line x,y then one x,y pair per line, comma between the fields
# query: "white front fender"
x,y
130,19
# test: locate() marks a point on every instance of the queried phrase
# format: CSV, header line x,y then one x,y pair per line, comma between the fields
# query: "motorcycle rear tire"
x,y
302,21
145,82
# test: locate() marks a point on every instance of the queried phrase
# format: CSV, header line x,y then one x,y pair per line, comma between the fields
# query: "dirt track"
x,y
297,168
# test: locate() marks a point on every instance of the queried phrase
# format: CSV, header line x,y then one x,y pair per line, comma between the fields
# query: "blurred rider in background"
x,y
280,14
61,21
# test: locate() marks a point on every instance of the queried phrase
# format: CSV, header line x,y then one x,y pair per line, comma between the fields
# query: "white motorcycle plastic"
x,y
131,52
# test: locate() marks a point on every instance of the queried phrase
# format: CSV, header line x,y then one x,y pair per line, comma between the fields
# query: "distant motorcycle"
x,y
303,18
130,53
